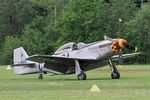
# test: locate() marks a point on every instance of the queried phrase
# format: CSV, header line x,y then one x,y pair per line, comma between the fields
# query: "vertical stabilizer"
x,y
20,56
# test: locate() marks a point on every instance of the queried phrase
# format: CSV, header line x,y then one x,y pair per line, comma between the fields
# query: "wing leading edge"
x,y
125,55
49,58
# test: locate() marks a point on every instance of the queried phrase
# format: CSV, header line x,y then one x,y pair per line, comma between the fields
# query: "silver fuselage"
x,y
91,56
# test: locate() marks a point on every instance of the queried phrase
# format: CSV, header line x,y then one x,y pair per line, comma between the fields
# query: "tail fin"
x,y
20,56
21,65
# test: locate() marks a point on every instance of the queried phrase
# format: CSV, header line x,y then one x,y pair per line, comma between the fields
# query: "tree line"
x,y
41,26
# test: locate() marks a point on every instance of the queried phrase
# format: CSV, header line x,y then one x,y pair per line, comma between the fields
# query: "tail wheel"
x,y
82,76
115,74
40,76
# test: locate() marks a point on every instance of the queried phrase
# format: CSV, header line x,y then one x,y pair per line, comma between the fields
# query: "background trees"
x,y
41,26
138,29
14,15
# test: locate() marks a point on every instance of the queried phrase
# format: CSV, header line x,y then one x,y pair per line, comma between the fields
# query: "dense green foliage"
x,y
41,26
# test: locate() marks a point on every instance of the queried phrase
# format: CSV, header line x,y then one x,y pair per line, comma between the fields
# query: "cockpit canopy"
x,y
69,47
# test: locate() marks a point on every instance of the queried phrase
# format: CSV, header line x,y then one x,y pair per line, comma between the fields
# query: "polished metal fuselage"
x,y
91,56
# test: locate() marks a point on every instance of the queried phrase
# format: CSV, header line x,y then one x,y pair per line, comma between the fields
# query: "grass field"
x,y
134,84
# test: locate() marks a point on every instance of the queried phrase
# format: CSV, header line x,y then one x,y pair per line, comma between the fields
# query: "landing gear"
x,y
40,76
80,74
114,72
40,65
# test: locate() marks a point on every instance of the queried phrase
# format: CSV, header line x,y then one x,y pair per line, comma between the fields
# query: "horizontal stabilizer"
x,y
25,65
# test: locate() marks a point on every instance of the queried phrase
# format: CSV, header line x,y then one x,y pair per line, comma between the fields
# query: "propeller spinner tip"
x,y
136,49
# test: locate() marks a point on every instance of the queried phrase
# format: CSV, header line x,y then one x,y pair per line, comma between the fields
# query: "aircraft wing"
x,y
49,58
125,55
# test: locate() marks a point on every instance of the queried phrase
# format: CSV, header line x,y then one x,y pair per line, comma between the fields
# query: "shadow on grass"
x,y
63,78
56,79
71,79
99,79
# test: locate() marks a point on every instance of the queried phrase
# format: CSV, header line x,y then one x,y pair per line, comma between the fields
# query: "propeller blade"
x,y
131,47
120,57
136,49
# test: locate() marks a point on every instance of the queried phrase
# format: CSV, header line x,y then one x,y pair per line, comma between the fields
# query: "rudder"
x,y
20,55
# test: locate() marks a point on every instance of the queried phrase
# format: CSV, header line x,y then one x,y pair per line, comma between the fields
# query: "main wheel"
x,y
82,76
115,74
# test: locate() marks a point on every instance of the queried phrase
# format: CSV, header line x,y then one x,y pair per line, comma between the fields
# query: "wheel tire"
x,y
40,77
115,74
82,76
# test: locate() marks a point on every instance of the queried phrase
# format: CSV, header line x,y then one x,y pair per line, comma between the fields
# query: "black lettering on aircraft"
x,y
68,55
21,55
63,55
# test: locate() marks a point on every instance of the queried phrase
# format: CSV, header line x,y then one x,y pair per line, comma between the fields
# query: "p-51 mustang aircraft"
x,y
73,58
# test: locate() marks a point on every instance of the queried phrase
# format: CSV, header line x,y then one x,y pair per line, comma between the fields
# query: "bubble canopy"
x,y
65,47
69,47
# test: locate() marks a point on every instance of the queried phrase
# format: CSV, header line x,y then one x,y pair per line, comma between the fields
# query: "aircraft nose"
x,y
118,44
121,43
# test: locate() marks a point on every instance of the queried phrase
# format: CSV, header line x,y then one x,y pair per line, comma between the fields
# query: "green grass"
x,y
134,84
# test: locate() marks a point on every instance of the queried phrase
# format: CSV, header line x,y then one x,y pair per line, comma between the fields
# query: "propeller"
x,y
120,44
131,47
120,57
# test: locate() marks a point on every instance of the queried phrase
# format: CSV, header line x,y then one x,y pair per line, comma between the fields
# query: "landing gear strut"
x,y
80,74
114,72
40,65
